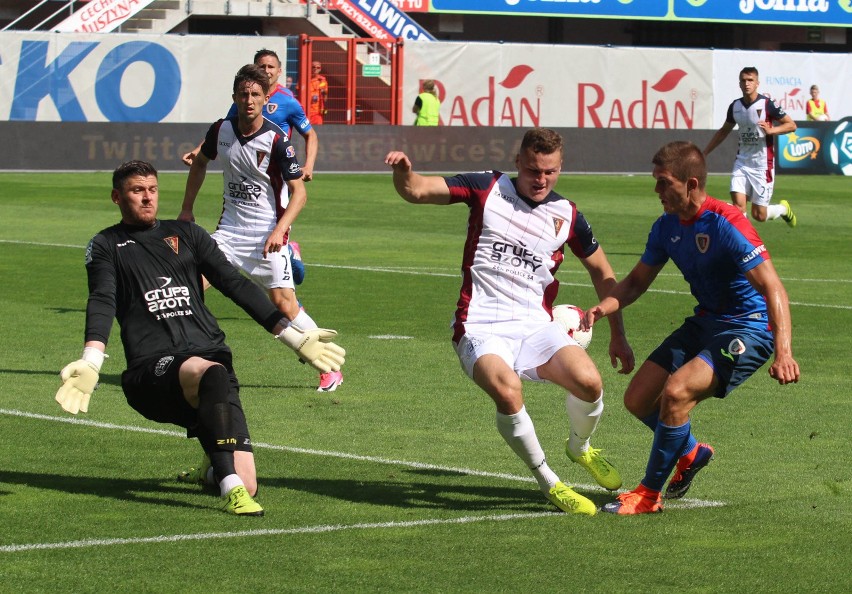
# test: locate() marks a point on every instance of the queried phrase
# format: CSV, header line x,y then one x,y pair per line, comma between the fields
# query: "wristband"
x,y
94,356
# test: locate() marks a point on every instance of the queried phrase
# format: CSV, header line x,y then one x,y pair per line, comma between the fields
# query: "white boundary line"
x,y
421,272
103,542
14,548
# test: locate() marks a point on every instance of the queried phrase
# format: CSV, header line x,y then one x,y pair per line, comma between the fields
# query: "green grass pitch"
x,y
398,481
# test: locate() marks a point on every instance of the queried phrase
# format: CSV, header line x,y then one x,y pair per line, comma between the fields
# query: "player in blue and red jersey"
x,y
742,316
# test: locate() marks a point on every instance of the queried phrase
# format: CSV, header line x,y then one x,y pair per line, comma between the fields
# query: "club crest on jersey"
x,y
271,108
163,365
759,112
172,242
702,242
557,224
260,156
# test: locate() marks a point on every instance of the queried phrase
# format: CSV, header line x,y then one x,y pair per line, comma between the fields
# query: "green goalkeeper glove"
x,y
79,380
314,347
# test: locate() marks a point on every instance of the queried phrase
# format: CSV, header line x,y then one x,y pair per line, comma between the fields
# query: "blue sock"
x,y
668,443
690,445
651,422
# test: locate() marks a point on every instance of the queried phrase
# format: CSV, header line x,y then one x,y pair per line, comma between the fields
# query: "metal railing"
x,y
66,5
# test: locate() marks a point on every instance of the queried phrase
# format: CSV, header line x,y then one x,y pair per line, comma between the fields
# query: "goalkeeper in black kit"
x,y
147,273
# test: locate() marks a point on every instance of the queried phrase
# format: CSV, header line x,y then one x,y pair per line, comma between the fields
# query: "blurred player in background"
x,y
146,273
742,316
753,179
285,110
816,109
255,223
503,330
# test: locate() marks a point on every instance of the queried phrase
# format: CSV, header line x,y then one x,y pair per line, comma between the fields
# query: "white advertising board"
x,y
122,78
489,84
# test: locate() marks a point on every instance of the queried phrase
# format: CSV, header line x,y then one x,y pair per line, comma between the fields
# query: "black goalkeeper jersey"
x,y
149,279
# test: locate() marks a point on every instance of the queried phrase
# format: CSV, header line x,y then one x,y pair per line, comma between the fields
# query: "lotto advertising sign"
x,y
564,86
817,147
121,78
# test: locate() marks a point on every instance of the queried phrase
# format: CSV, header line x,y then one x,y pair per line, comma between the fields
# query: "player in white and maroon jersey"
x,y
758,119
259,161
503,329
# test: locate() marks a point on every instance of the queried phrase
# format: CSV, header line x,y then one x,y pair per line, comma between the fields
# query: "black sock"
x,y
214,416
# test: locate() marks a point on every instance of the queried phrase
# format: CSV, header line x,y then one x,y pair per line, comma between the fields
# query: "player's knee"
x,y
214,385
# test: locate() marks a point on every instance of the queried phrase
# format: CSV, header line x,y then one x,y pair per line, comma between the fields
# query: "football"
x,y
568,316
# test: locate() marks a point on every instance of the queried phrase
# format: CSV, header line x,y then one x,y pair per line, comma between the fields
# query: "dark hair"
x,y
251,73
684,160
749,70
542,140
129,169
262,53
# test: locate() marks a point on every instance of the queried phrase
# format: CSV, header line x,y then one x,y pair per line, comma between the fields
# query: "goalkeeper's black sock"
x,y
214,416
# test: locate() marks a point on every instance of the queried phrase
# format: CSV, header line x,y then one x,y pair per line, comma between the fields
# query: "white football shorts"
x,y
273,272
753,183
522,345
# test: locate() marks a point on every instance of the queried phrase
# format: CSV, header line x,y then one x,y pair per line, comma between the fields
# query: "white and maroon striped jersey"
x,y
255,168
514,247
756,150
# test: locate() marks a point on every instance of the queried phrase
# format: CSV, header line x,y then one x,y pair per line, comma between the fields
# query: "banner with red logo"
x,y
564,86
101,16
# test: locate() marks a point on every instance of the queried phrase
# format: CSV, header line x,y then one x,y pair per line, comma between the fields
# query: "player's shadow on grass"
x,y
148,491
441,494
113,379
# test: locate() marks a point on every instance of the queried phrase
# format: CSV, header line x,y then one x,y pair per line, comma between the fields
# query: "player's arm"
x,y
194,181
413,187
720,135
298,197
80,377
765,280
311,150
625,292
783,126
189,157
603,278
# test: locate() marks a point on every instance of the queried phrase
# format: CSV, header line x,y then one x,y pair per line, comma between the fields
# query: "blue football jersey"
x,y
713,251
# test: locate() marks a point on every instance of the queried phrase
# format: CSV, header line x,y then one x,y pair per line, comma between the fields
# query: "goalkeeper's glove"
x,y
79,380
314,347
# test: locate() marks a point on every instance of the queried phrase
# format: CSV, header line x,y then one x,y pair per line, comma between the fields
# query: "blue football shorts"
x,y
734,351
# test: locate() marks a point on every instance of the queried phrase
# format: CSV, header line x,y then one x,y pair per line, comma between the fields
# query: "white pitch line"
x,y
421,272
105,542
332,454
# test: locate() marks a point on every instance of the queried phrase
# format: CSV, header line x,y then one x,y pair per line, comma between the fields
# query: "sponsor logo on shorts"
x,y
163,365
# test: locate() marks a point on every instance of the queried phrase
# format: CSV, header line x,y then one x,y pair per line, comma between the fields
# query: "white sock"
x,y
304,322
228,483
519,433
584,417
773,211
